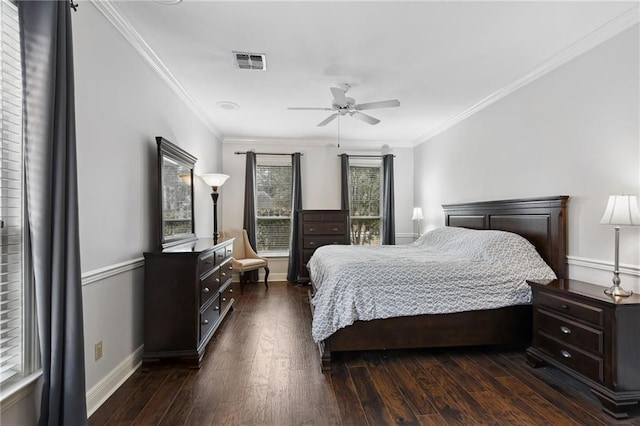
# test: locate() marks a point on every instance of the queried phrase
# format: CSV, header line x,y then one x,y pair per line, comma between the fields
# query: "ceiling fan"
x,y
344,105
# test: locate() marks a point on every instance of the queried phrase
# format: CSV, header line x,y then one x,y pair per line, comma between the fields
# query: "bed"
x,y
541,221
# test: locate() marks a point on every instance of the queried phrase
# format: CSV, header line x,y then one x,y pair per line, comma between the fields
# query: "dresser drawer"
x,y
206,262
581,362
208,318
227,294
319,241
226,270
209,286
571,332
590,314
326,228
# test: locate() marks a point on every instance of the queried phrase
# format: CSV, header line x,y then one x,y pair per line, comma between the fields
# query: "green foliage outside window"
x,y
273,188
365,199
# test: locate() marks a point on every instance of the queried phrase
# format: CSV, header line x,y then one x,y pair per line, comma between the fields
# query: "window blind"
x,y
11,200
273,187
365,204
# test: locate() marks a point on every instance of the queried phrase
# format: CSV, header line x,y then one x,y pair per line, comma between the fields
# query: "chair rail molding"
x,y
111,270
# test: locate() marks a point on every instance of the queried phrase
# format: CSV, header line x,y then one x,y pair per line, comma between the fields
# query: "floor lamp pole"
x,y
214,197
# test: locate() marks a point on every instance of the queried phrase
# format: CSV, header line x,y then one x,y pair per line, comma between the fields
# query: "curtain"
x,y
52,206
388,203
250,221
296,206
344,188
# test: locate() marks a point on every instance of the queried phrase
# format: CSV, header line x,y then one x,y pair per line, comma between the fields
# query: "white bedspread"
x,y
446,270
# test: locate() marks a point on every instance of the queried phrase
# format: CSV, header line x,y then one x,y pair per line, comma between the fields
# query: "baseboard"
x,y
97,395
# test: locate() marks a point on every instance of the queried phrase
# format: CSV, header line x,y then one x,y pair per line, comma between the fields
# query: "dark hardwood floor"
x,y
262,368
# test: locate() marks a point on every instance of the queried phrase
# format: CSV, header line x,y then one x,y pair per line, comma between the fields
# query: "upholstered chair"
x,y
245,259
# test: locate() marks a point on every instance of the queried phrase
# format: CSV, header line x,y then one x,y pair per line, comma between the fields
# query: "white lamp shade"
x,y
214,180
622,210
417,214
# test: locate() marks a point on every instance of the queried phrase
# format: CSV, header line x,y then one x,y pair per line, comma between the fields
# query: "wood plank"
x,y
349,405
374,408
408,382
157,405
389,392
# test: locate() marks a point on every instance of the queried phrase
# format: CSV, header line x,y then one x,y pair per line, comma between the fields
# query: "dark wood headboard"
x,y
543,221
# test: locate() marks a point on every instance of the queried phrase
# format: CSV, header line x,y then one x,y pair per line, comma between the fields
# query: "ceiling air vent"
x,y
250,61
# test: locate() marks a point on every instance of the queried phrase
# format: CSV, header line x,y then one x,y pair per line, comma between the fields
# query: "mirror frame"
x,y
168,150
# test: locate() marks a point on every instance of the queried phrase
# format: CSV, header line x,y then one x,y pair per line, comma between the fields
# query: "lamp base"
x,y
616,290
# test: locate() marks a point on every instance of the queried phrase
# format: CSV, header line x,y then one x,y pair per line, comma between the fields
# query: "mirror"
x,y
175,168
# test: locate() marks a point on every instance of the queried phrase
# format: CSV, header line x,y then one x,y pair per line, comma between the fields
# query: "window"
x,y
365,203
273,190
17,313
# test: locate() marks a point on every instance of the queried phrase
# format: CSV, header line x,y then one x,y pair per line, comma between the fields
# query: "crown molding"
x,y
302,142
612,28
107,8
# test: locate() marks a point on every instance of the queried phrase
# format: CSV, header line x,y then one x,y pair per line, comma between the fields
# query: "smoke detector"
x,y
250,61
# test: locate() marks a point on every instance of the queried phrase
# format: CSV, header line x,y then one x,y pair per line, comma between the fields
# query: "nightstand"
x,y
591,336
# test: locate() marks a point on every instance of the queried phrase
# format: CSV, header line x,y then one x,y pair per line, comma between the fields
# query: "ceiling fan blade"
x,y
328,120
364,117
338,96
380,104
310,109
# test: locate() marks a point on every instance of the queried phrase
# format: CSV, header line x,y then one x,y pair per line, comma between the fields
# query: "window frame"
x,y
366,163
24,382
279,161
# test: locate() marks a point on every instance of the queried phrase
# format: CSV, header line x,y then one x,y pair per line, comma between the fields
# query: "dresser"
x,y
188,291
591,336
317,228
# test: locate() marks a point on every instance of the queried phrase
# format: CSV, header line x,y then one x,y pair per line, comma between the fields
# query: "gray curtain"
x,y
250,221
344,187
296,206
388,203
52,206
344,180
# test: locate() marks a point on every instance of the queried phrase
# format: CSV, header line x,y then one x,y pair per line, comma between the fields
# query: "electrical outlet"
x,y
98,350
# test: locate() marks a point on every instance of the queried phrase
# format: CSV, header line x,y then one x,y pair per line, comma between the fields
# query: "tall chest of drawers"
x,y
317,228
591,336
188,291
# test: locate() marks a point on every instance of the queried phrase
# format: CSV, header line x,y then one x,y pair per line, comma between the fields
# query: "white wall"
x,y
572,132
320,184
121,105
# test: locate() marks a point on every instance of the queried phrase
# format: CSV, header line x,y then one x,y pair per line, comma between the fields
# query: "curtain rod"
x,y
363,156
265,153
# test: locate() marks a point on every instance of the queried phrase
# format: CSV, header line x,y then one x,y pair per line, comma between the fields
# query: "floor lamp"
x,y
622,210
215,181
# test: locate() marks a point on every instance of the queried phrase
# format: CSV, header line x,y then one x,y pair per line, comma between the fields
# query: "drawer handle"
x,y
215,308
312,229
205,290
224,274
565,330
208,262
312,243
205,322
220,255
218,280
565,307
224,299
230,267
230,290
565,354
336,229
